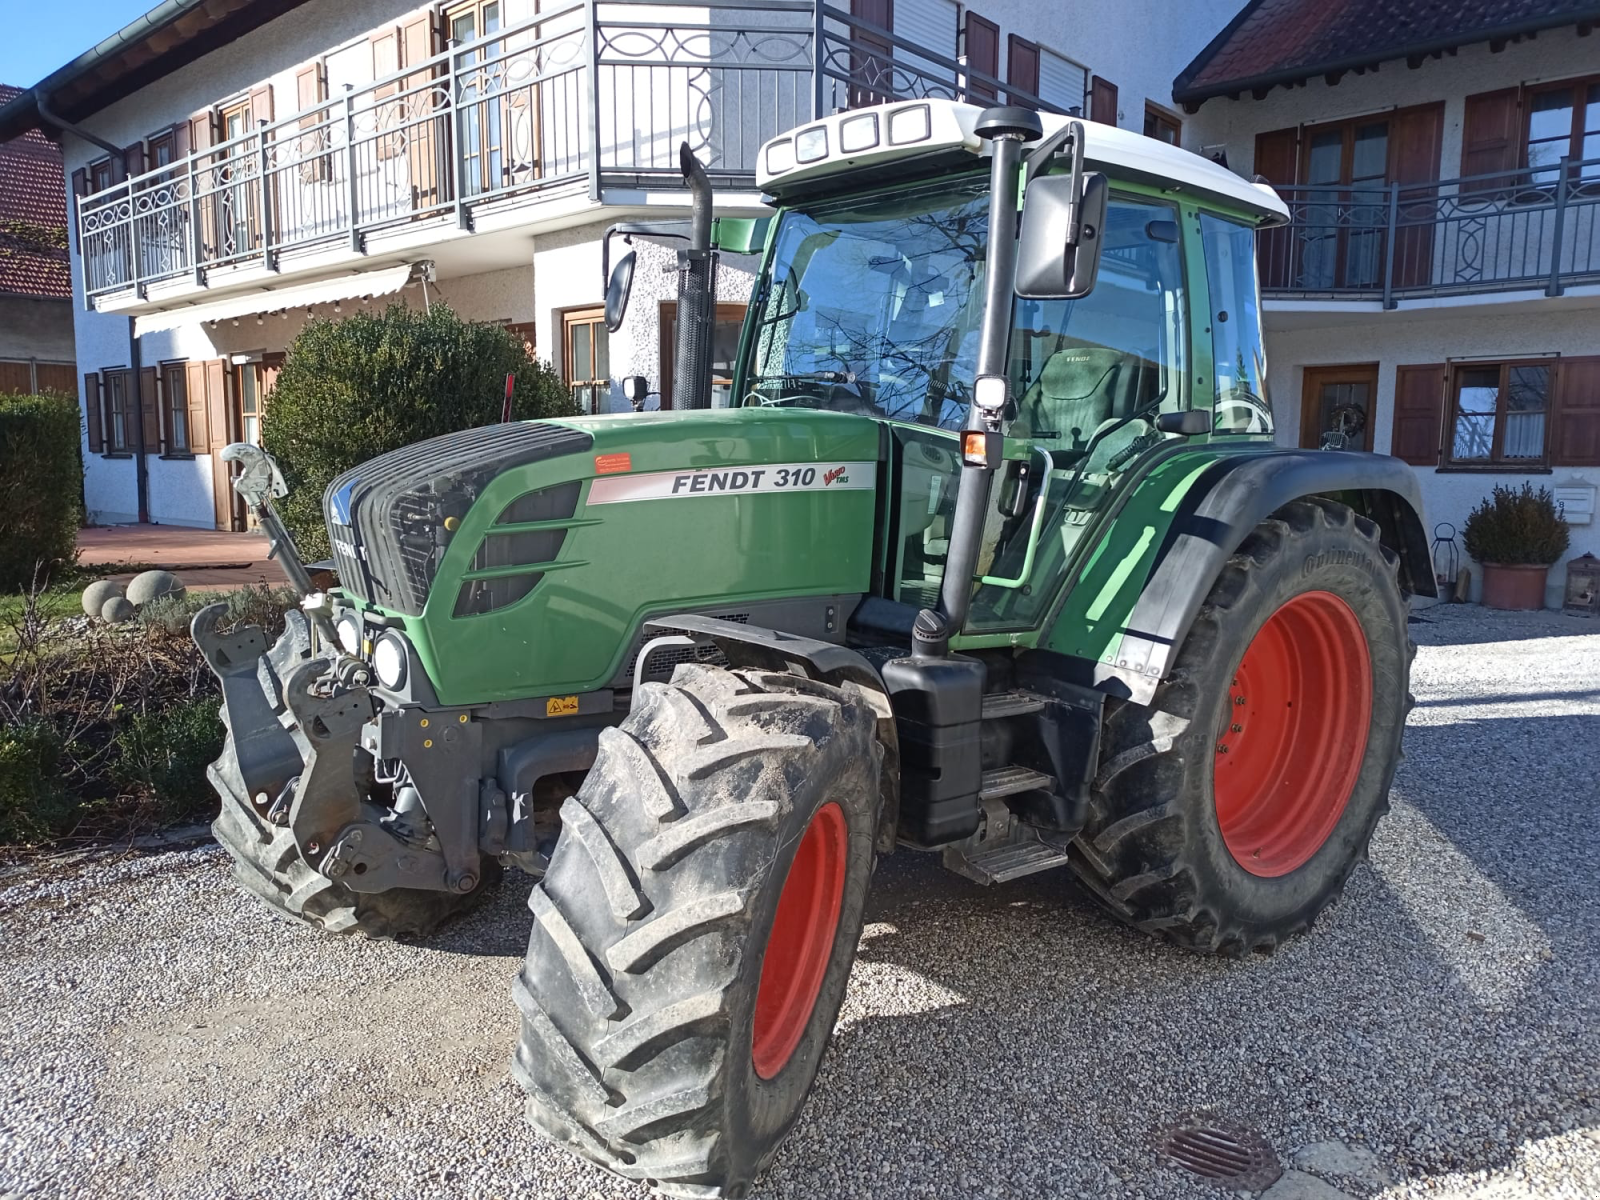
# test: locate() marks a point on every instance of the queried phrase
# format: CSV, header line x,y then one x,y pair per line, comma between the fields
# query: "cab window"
x,y
1238,358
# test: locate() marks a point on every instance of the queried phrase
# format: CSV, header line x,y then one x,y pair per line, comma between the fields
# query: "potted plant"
x,y
1516,534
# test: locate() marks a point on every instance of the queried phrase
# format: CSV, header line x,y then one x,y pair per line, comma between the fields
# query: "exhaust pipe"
x,y
697,282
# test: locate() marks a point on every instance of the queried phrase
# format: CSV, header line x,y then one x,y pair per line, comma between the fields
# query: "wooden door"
x,y
1337,400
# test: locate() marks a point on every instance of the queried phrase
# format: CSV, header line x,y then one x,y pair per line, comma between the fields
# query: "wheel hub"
x,y
801,942
1290,745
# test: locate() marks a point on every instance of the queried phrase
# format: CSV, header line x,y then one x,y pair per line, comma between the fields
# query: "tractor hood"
x,y
528,556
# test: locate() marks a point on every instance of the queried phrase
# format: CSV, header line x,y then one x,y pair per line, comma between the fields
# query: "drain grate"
x,y
1222,1151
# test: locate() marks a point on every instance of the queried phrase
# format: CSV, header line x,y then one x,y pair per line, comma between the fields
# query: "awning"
x,y
266,300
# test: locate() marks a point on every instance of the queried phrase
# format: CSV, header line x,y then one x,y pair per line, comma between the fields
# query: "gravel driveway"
x,y
164,1036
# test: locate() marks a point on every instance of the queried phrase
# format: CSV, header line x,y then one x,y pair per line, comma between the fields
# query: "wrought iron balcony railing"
x,y
588,93
1536,228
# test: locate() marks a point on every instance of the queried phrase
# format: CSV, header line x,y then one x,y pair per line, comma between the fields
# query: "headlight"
x,y
389,661
349,627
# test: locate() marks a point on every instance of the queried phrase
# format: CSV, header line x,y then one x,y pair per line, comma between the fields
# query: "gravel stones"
x,y
165,1037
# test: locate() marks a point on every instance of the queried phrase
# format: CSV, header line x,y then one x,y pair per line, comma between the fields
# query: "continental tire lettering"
x,y
767,479
1339,558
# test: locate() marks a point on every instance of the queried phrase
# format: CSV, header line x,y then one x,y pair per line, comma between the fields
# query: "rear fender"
x,y
768,650
1225,502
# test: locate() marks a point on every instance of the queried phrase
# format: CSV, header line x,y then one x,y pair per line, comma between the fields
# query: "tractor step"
x,y
997,705
1006,861
1007,781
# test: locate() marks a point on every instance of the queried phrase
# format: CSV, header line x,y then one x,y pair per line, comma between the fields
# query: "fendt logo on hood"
x,y
733,481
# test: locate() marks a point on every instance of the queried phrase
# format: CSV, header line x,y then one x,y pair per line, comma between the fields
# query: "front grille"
x,y
386,517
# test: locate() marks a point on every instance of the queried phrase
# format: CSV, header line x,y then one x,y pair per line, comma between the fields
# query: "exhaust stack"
x,y
697,281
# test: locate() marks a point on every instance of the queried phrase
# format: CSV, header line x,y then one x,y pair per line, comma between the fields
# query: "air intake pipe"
x,y
697,283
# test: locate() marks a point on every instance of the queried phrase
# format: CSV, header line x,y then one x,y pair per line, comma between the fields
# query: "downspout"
x,y
141,471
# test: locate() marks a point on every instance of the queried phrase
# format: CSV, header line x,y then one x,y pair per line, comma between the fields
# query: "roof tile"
x,y
33,215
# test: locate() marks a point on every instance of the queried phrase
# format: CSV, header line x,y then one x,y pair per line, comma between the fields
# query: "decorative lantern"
x,y
1583,587
1446,560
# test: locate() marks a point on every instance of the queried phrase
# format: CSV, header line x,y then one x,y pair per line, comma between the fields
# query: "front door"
x,y
1338,406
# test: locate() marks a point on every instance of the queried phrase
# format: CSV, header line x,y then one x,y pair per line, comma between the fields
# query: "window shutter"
x,y
1575,439
1416,136
149,410
1277,152
261,105
386,61
982,46
1491,138
80,189
1022,70
419,41
133,157
1419,414
217,401
194,394
311,89
1103,101
202,132
91,410
180,140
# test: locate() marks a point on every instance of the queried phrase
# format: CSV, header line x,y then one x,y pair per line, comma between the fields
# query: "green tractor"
x,y
992,556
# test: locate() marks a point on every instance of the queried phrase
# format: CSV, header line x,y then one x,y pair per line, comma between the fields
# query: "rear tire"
x,y
660,1038
1300,798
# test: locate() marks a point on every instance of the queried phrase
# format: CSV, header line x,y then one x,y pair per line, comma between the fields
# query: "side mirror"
x,y
617,289
1052,263
1191,422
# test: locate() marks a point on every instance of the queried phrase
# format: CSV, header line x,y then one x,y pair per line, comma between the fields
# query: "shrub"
x,y
256,604
356,388
1517,527
162,754
34,806
41,486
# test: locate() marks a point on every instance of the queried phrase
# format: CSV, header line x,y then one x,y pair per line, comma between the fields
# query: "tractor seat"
x,y
1079,389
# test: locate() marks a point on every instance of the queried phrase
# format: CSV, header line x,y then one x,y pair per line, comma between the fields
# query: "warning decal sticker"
x,y
735,481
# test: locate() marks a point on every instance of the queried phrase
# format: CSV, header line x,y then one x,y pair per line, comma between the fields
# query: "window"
x,y
116,412
1342,241
1564,122
176,395
250,403
1499,413
587,353
101,175
724,351
482,120
1238,355
163,149
1161,125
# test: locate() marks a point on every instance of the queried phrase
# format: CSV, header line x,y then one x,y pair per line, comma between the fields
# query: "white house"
x,y
237,168
1440,284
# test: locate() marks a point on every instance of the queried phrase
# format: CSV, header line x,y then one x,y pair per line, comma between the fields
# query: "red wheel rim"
x,y
801,942
1295,734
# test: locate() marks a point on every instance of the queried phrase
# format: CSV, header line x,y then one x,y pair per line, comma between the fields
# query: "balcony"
x,y
586,96
1533,229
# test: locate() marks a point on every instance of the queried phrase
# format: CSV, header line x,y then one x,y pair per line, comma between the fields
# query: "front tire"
x,y
1228,812
694,934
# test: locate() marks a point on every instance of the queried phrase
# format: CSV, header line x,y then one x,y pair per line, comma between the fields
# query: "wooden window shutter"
x,y
217,401
133,158
419,41
80,189
149,410
1419,413
1103,101
194,394
311,89
1022,70
91,411
1416,136
386,61
261,105
983,54
1575,438
1277,153
202,135
1491,138
180,141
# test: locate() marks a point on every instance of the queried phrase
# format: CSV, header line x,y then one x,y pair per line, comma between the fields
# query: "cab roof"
x,y
903,134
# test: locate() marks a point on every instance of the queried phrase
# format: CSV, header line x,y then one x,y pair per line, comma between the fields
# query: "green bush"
x,y
1517,527
34,806
255,604
370,383
41,486
163,754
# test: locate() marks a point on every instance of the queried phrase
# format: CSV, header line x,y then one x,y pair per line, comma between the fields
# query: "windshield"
x,y
875,307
